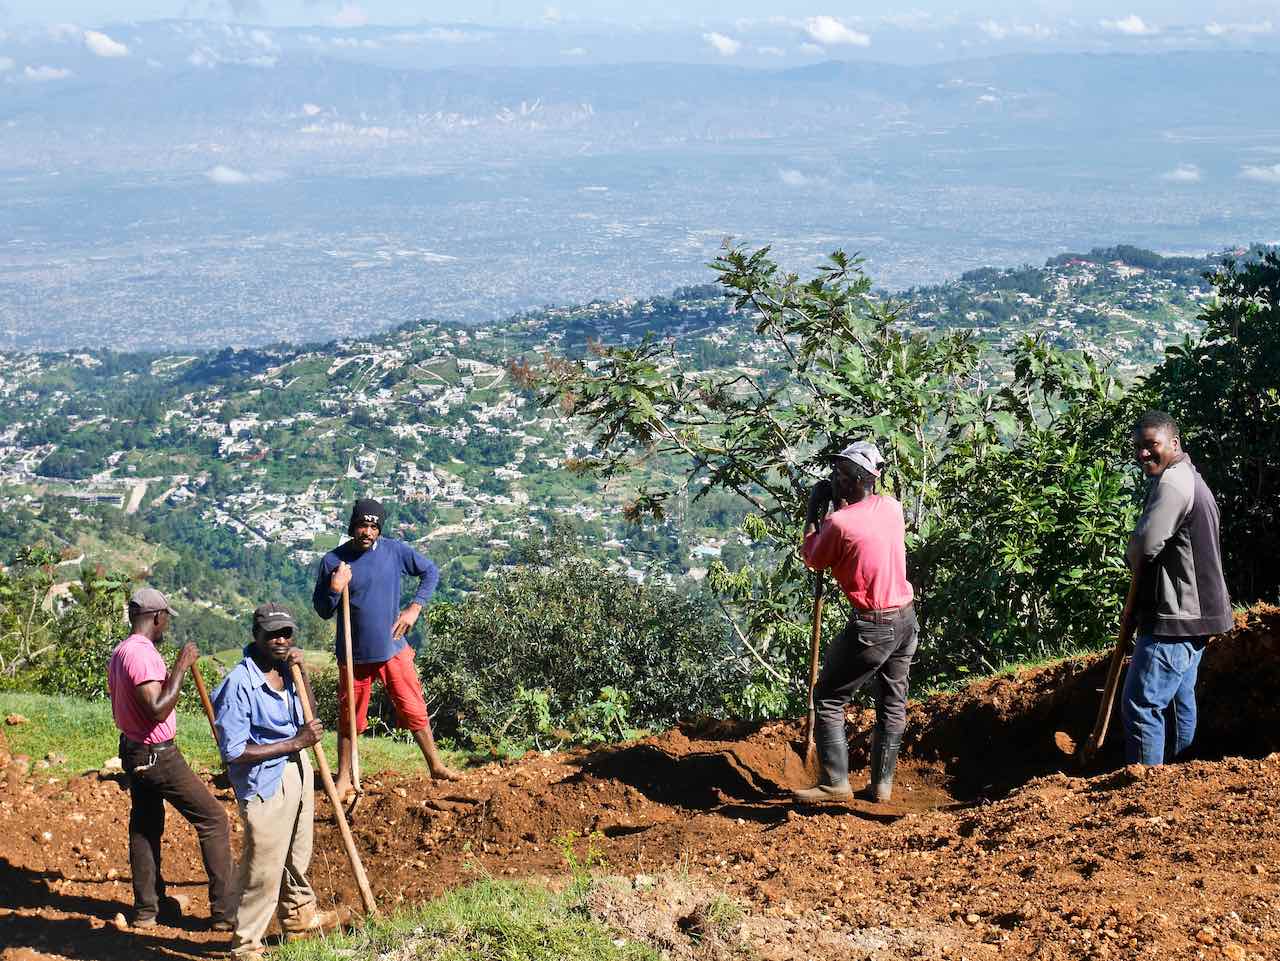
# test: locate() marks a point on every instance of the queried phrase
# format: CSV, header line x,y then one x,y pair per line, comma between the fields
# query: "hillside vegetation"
x,y
622,484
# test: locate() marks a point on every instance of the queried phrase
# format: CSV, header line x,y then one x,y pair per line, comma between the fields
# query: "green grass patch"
x,y
84,733
512,921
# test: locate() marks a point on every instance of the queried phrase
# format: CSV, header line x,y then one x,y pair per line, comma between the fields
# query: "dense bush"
x,y
571,650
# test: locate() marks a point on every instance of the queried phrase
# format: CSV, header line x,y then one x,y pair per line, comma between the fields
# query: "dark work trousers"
x,y
159,773
871,648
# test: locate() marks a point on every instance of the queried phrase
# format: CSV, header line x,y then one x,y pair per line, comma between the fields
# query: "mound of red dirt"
x,y
988,850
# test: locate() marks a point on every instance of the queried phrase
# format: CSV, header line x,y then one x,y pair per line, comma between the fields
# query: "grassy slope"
x,y
484,920
84,733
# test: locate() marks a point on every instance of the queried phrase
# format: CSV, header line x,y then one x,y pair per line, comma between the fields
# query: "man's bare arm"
x,y
158,698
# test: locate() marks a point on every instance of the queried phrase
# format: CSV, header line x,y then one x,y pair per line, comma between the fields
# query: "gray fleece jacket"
x,y
1182,592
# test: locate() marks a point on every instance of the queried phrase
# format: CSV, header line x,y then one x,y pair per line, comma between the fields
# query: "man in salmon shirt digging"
x,y
143,696
863,542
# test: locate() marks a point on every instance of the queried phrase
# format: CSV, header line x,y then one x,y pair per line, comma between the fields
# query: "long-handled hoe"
x,y
349,672
815,645
303,686
204,700
1086,752
221,780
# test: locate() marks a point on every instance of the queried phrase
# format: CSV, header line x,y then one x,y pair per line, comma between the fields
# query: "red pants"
x,y
399,678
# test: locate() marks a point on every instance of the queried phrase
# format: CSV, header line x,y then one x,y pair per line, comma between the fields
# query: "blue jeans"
x,y
1159,704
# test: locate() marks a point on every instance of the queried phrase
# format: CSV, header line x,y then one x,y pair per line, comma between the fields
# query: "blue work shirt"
x,y
248,710
375,595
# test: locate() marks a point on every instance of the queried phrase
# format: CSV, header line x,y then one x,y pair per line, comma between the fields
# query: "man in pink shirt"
x,y
143,696
863,542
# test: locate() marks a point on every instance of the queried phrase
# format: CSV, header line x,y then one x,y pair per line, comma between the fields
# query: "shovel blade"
x,y
1065,743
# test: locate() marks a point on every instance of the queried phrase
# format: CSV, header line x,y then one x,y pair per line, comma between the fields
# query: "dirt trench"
x,y
992,847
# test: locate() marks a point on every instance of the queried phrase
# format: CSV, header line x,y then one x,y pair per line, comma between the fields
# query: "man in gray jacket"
x,y
1181,598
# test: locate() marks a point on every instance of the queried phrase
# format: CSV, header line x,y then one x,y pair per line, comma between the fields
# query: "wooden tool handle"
x,y
322,764
1115,668
204,699
816,635
815,646
349,671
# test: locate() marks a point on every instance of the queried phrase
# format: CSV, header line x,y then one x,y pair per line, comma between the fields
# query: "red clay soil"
x,y
993,847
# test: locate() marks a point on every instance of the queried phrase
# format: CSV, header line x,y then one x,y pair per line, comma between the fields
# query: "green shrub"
x,y
571,651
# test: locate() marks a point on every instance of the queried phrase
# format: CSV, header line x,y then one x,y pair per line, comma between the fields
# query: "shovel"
x,y
1086,752
349,671
348,841
815,644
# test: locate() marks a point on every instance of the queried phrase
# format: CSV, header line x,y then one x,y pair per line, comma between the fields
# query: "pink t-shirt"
x,y
864,544
136,661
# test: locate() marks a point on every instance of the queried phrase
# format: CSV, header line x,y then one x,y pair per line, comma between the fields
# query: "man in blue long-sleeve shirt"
x,y
370,567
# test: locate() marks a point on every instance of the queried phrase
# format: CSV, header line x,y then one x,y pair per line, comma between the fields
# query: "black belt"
x,y
883,615
157,746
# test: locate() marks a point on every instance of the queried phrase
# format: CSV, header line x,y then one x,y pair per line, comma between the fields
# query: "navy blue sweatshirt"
x,y
375,595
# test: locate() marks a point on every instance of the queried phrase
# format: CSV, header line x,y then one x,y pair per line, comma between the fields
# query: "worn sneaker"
x,y
222,924
144,923
310,924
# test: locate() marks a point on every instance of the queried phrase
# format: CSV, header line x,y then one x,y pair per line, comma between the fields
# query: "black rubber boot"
x,y
884,761
834,784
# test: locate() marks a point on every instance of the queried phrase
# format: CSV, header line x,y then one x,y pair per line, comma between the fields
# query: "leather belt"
x,y
883,615
136,745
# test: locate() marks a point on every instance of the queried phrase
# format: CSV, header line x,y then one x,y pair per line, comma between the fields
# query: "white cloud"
x,y
311,109
63,32
725,46
439,35
1132,25
46,73
999,31
351,15
830,32
1215,29
771,51
7,64
1182,174
228,175
793,178
231,177
100,45
263,39
812,50
574,52
552,15
1266,175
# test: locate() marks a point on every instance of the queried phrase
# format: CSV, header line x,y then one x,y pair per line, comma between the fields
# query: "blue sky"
x,y
1154,12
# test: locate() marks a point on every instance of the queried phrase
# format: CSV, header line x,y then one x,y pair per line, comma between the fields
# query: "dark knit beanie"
x,y
366,511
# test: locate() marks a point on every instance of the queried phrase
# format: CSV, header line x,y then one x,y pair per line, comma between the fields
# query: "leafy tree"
x,y
86,634
986,453
1224,389
26,622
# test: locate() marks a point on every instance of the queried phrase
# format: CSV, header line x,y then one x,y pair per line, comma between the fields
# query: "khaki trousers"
x,y
275,857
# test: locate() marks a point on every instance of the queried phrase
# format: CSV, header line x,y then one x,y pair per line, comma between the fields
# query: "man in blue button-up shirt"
x,y
263,739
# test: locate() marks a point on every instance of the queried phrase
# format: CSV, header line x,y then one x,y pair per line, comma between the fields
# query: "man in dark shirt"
x,y
1181,598
370,567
